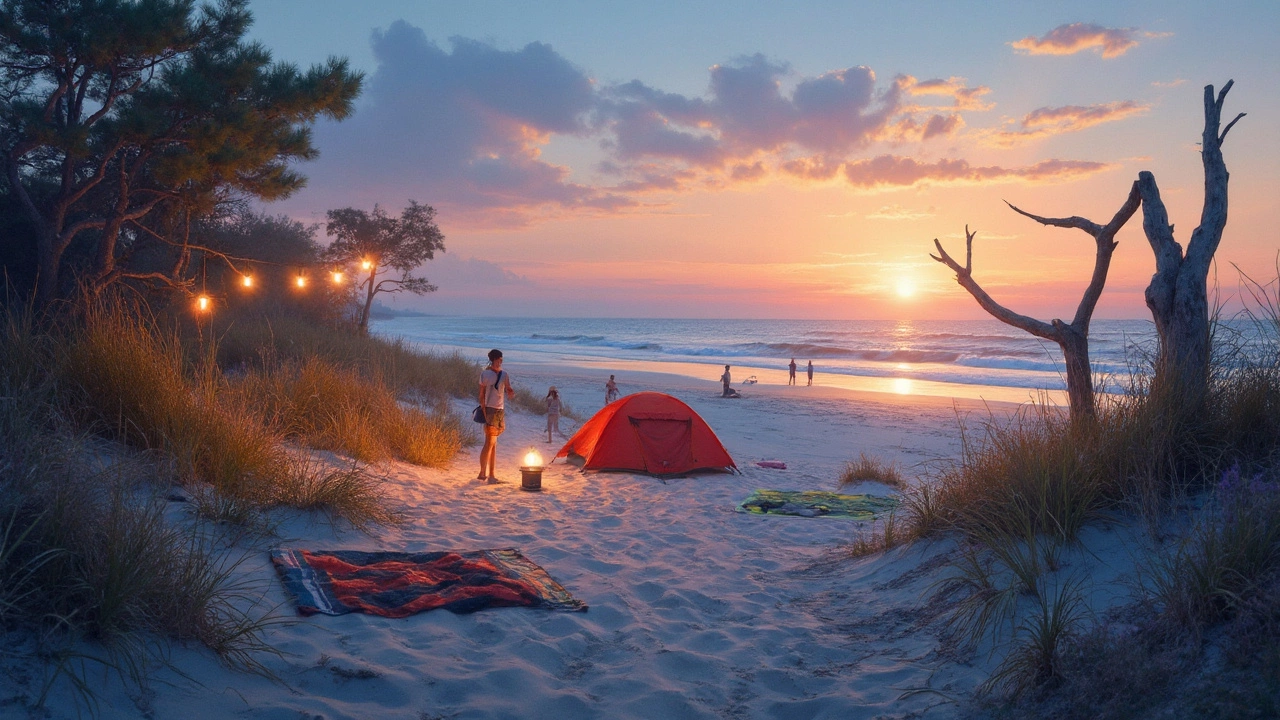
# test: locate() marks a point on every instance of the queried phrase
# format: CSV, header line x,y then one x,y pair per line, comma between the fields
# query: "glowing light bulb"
x,y
366,265
247,281
202,303
337,277
301,281
533,458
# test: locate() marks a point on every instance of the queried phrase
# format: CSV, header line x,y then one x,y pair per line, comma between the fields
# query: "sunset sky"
x,y
787,160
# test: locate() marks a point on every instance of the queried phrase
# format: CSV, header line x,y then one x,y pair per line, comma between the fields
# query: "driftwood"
x,y
1072,337
1178,293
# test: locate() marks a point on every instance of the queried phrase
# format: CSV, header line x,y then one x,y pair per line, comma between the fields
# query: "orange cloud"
x,y
1078,37
956,88
1048,121
889,171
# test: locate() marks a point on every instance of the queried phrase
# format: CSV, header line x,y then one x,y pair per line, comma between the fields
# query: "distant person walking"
x,y
810,372
495,387
553,413
610,391
791,372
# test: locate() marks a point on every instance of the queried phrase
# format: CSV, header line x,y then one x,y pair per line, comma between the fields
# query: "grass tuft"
x,y
870,469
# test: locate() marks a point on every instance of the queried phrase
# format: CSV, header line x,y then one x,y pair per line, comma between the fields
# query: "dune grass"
x,y
870,469
248,340
1024,488
86,554
329,407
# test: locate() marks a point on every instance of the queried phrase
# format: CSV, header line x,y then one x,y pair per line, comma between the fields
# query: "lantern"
x,y
366,265
531,471
247,281
301,281
202,303
337,277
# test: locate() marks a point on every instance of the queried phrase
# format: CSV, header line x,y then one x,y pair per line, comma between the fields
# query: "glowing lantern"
x,y
366,265
247,281
202,303
337,277
531,471
301,281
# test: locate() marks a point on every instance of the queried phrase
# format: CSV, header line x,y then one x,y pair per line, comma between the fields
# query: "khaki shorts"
x,y
495,421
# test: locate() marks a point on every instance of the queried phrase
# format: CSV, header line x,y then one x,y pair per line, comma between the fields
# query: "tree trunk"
x,y
368,302
1178,293
1075,354
1073,337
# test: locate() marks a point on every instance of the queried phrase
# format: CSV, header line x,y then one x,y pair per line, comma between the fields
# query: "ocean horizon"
x,y
939,354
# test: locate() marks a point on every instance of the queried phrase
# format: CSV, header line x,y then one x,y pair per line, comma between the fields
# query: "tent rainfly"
x,y
647,432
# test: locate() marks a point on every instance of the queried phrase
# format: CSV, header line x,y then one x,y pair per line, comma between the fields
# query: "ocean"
x,y
956,354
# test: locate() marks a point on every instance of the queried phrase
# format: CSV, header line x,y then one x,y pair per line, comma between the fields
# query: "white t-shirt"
x,y
493,398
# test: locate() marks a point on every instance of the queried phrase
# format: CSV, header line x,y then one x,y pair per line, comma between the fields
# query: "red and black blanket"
x,y
398,584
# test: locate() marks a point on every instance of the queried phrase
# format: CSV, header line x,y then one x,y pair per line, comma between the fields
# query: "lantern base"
x,y
531,479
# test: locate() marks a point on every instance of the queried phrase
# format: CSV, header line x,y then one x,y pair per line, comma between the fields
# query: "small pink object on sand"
x,y
775,464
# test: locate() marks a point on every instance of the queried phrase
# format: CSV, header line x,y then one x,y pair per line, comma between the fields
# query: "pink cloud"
x,y
887,171
1047,121
1078,37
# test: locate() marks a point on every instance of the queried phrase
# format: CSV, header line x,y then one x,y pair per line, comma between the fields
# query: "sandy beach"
x,y
695,610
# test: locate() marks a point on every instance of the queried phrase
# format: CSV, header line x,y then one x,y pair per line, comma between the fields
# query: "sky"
x,y
748,159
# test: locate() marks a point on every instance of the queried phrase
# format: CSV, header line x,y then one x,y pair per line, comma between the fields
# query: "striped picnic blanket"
x,y
398,584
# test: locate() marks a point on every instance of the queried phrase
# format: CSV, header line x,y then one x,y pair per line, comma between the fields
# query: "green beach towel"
x,y
812,503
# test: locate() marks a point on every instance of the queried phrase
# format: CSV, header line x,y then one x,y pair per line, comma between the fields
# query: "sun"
x,y
906,288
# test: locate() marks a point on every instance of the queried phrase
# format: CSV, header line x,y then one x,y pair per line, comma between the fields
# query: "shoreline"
x,y
872,388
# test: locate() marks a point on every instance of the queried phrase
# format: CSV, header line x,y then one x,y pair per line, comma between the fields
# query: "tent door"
x,y
666,444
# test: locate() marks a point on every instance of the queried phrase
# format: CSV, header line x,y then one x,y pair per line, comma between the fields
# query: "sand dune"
x,y
695,610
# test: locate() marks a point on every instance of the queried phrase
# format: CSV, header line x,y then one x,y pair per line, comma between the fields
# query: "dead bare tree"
x,y
1072,337
1178,293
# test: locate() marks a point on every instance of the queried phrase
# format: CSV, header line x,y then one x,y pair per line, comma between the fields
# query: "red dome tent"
x,y
648,432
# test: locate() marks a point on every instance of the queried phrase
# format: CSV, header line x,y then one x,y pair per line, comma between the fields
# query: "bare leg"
x,y
487,454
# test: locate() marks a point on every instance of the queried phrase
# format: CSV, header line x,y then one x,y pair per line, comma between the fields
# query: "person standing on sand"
x,y
610,391
553,413
495,387
724,380
810,372
791,372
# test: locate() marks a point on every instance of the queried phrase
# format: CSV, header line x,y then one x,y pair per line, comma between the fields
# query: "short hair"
x,y
494,354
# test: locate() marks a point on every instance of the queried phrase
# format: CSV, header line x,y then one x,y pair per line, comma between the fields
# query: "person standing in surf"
x,y
791,372
810,372
495,387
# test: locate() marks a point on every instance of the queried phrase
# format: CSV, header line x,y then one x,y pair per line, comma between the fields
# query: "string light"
x,y
202,303
337,277
247,281
367,264
301,281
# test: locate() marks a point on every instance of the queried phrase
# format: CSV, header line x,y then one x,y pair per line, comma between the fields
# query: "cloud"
x,y
889,171
897,212
962,96
463,126
1168,84
1078,37
1047,121
747,114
